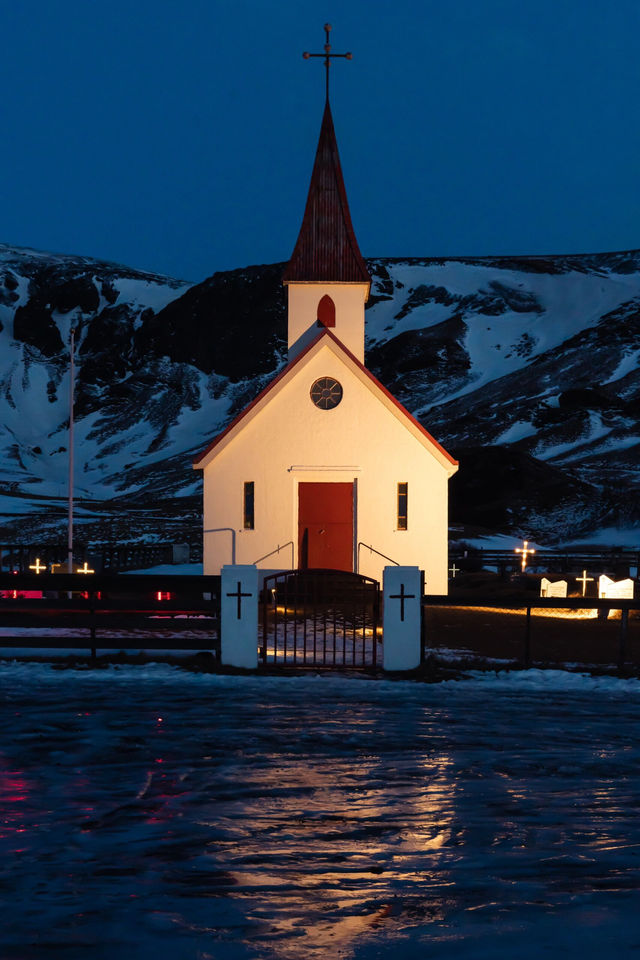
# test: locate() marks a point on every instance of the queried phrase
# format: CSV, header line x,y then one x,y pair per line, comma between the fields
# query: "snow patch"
x,y
517,431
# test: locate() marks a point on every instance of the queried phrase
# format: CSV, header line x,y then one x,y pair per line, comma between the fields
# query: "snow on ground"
x,y
561,306
498,541
597,430
606,537
628,364
152,293
519,430
179,569
147,812
628,537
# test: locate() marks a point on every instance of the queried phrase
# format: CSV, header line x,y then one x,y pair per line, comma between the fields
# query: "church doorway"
x,y
325,526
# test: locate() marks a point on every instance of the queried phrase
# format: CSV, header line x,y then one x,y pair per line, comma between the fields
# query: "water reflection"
x,y
333,842
15,807
307,819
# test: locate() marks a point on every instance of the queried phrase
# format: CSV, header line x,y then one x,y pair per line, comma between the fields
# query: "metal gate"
x,y
327,618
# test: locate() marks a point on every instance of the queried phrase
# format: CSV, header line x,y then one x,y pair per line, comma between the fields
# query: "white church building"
x,y
325,468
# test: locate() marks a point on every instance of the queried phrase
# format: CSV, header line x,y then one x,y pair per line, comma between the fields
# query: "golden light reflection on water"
x,y
314,817
334,873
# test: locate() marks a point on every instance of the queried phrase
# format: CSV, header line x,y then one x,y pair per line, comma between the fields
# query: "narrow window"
x,y
326,312
249,514
403,498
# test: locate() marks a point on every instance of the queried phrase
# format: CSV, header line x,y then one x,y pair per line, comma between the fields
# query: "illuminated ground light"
x,y
556,613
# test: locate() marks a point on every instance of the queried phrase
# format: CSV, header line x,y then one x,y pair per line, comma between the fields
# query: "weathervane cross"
x,y
327,55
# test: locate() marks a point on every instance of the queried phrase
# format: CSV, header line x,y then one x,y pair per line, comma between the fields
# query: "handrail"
x,y
373,550
289,543
230,530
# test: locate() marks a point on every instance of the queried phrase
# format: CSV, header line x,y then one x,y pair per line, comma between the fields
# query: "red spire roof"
x,y
327,249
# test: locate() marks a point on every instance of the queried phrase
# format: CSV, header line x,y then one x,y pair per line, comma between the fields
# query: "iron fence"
x,y
102,557
107,612
566,629
327,618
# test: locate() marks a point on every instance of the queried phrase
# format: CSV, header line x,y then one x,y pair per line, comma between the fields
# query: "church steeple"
x,y
327,279
327,249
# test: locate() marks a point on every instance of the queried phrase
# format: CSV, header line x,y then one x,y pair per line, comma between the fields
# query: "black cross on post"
x,y
239,594
402,596
327,54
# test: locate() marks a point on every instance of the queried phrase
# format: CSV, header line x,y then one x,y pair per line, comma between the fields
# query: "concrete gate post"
x,y
402,592
239,616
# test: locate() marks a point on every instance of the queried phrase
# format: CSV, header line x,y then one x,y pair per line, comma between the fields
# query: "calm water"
x,y
146,813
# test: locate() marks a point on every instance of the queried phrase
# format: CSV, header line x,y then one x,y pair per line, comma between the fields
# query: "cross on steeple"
x,y
327,55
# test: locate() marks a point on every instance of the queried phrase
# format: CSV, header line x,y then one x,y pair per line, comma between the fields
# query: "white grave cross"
x,y
584,580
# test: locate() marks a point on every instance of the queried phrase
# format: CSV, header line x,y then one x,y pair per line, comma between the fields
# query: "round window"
x,y
326,393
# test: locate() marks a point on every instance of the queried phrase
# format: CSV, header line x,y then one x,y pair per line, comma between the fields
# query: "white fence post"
x,y
239,616
402,589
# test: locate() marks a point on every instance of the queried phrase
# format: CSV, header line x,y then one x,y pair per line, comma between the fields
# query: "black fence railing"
x,y
101,557
110,612
558,561
574,629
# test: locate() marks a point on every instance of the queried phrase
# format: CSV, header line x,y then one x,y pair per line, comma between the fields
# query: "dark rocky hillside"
x,y
526,368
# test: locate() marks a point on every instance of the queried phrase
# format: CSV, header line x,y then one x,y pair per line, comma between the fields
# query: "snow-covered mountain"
x,y
526,368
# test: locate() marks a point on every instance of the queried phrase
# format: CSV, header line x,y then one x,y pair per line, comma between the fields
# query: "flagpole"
x,y
71,426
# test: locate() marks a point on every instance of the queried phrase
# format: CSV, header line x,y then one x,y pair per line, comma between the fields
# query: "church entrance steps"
x,y
320,618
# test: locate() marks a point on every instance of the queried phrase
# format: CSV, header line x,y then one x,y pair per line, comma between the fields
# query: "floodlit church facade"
x,y
325,468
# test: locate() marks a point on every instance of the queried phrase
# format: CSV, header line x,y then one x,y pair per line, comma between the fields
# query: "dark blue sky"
x,y
179,137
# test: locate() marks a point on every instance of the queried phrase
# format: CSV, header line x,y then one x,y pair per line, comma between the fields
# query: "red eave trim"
x,y
391,397
263,393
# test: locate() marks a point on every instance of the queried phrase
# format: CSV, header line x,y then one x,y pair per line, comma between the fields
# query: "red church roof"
x,y
327,249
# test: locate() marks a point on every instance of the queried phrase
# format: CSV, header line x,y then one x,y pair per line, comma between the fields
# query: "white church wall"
x,y
290,441
349,300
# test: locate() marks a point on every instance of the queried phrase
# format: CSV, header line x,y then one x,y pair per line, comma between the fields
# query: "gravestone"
x,y
609,589
557,588
180,553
